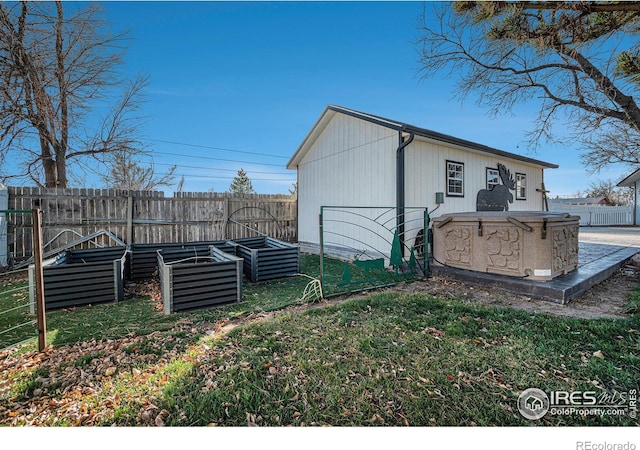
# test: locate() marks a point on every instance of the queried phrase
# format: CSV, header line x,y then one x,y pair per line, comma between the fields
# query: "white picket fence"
x,y
598,216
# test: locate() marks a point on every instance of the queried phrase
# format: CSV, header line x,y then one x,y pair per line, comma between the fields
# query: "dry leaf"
x,y
433,332
598,354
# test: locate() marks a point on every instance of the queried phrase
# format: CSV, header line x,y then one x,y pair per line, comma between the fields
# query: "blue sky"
x,y
239,84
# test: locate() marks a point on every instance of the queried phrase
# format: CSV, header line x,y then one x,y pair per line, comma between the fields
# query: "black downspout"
x,y
400,190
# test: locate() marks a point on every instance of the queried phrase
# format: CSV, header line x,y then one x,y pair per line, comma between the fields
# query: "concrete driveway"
x,y
624,236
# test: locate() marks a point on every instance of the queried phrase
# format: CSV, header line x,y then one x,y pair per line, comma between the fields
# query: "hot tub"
x,y
533,244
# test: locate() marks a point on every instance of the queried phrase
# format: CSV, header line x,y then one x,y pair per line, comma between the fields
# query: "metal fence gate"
x,y
17,322
362,248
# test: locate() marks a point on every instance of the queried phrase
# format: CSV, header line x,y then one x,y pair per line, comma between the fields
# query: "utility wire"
x,y
90,169
209,177
215,148
331,155
214,159
182,166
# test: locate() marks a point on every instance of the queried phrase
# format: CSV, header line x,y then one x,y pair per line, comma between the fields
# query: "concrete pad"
x,y
600,256
625,236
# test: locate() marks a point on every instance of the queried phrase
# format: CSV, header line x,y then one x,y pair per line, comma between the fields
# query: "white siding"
x,y
351,163
425,172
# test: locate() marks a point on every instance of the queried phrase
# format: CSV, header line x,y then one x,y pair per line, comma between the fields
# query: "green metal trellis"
x,y
361,248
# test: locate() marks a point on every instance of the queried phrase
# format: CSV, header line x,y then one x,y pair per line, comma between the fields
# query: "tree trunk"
x,y
61,167
48,164
63,142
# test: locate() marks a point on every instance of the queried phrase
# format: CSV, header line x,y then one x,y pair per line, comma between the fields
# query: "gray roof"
x,y
630,180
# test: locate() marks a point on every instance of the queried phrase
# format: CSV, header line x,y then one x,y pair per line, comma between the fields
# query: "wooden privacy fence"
x,y
116,216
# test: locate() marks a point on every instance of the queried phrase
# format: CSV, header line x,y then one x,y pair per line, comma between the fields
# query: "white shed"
x,y
355,159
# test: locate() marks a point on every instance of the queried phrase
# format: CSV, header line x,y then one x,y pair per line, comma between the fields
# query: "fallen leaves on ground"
x,y
146,288
82,384
433,332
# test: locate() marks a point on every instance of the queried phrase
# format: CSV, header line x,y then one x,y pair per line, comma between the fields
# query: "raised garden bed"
x,y
190,280
266,258
144,257
82,277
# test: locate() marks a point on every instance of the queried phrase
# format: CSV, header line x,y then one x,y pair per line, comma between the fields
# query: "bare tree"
x,y
180,185
54,69
125,172
293,190
616,144
565,55
609,190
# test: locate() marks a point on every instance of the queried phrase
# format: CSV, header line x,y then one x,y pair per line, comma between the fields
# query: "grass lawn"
x,y
138,316
385,359
16,324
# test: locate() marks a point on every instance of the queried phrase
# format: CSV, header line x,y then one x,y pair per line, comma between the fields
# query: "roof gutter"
x,y
400,183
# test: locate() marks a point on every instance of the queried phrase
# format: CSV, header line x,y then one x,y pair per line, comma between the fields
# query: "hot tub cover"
x,y
538,245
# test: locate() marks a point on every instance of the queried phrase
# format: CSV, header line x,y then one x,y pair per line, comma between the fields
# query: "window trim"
x,y
487,177
521,176
449,193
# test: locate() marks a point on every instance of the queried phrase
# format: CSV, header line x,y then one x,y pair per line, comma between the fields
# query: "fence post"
x,y
130,219
225,217
425,252
39,278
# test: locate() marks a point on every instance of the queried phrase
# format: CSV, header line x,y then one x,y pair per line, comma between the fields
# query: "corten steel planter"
x,y
82,277
266,258
189,280
533,245
144,257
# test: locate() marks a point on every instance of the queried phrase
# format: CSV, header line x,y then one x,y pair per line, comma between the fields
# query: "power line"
x,y
182,166
208,177
331,155
214,159
216,148
87,168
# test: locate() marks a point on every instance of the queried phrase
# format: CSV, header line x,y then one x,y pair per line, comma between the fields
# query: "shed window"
x,y
493,178
521,186
455,179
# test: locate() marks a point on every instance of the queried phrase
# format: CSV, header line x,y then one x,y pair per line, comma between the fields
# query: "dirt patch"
x,y
605,300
